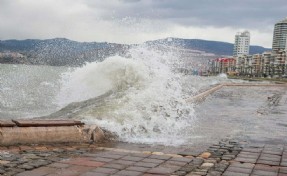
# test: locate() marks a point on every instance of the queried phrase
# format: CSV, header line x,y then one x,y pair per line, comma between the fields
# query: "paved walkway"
x,y
258,146
227,158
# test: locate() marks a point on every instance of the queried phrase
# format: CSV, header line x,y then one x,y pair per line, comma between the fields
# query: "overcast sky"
x,y
136,21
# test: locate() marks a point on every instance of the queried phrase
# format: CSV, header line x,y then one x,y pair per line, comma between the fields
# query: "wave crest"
x,y
147,102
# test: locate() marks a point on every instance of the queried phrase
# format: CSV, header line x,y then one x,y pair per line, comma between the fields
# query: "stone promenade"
x,y
227,158
250,121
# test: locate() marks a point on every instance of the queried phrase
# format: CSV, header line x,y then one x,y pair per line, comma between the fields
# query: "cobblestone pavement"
x,y
256,145
227,158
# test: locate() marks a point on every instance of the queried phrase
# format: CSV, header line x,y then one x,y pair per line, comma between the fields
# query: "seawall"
x,y
14,132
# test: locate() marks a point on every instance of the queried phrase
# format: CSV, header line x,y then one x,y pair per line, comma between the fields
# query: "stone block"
x,y
274,152
137,168
83,162
150,160
97,134
283,170
268,162
242,165
252,150
190,153
115,166
266,168
59,165
183,159
176,163
129,173
207,165
100,159
142,155
159,157
239,170
93,174
74,170
228,173
245,160
144,164
38,172
123,162
205,155
39,135
132,158
264,173
111,156
161,171
105,170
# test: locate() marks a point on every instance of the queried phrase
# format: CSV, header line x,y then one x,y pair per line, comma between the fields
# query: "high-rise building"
x,y
279,35
241,44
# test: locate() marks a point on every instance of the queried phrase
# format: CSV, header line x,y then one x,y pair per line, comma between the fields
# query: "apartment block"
x,y
241,44
280,35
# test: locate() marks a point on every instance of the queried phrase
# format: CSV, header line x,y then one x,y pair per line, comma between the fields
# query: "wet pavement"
x,y
227,158
255,114
240,131
96,160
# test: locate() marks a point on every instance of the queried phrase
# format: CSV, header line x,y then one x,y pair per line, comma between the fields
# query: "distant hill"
x,y
61,51
215,47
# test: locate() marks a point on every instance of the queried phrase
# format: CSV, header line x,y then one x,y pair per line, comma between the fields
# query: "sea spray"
x,y
147,103
114,74
28,91
139,96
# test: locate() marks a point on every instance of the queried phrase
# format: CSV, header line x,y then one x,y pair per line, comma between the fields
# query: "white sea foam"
x,y
147,104
222,75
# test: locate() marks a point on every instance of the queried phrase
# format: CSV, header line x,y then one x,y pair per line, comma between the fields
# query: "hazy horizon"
x,y
124,43
136,21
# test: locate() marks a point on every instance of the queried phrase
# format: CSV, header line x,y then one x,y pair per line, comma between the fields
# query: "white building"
x,y
241,44
280,35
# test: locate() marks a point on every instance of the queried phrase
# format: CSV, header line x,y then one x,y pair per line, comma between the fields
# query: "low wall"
x,y
47,131
203,95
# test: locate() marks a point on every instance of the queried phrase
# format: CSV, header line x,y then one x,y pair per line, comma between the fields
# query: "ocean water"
x,y
140,97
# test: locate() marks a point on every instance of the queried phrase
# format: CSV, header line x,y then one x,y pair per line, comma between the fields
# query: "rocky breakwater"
x,y
47,131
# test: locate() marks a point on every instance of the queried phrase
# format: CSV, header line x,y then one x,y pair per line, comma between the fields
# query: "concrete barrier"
x,y
50,134
203,95
257,85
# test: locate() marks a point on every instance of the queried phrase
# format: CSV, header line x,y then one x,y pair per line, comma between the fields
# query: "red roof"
x,y
224,59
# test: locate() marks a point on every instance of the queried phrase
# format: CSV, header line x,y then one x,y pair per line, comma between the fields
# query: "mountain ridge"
x,y
209,46
62,51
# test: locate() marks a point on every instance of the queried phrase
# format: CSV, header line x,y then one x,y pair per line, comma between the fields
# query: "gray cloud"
x,y
129,1
220,13
132,21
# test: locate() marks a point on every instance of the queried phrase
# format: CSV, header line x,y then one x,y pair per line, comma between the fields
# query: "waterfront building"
x,y
223,65
241,44
256,65
280,63
267,64
279,36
